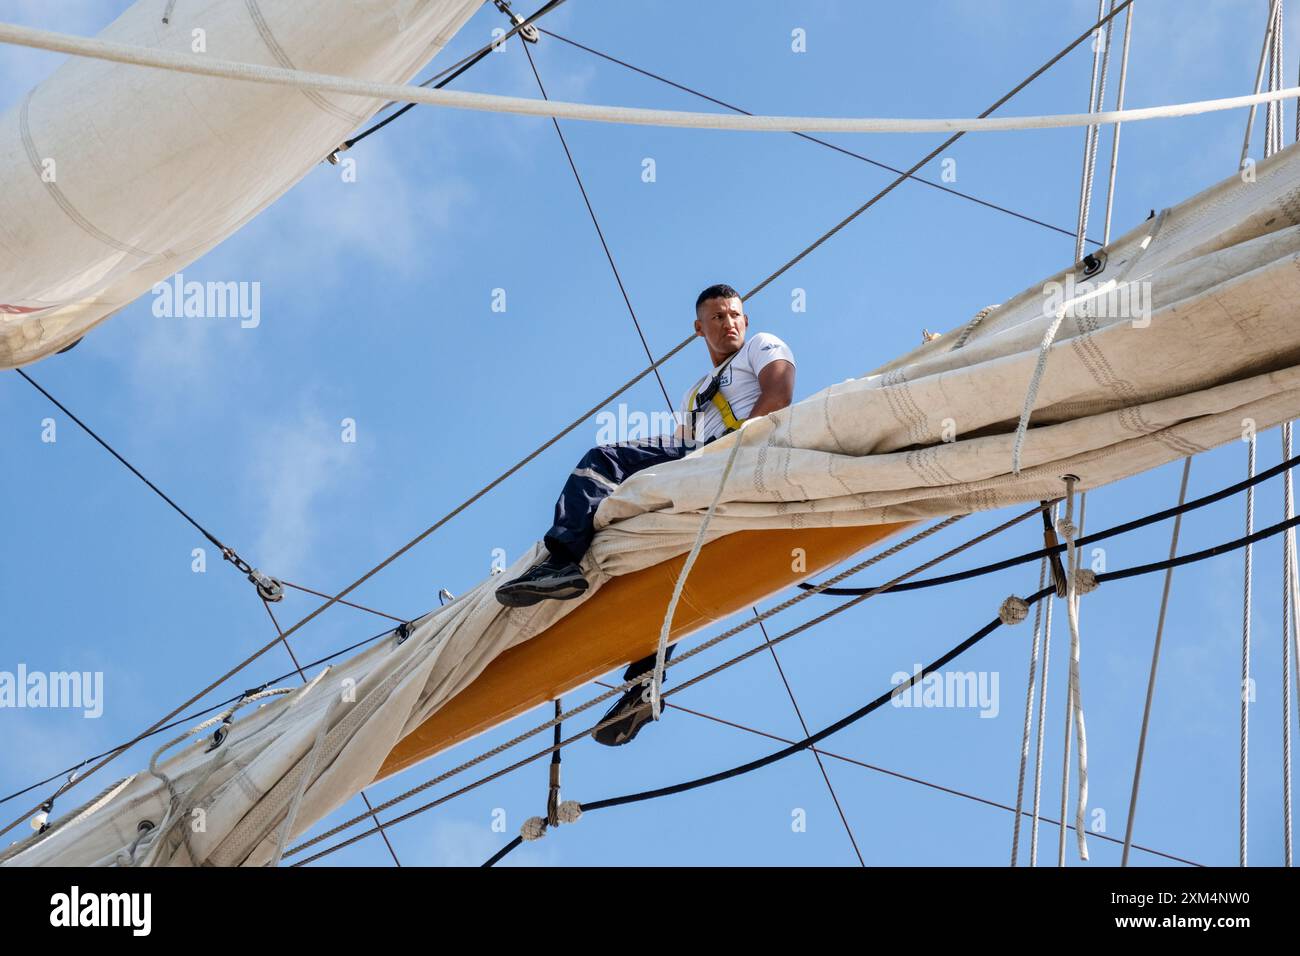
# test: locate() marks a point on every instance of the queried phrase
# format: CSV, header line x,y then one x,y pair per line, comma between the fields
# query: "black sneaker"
x,y
636,713
553,578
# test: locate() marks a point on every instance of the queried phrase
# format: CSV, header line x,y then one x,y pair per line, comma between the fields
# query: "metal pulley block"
x,y
268,588
529,33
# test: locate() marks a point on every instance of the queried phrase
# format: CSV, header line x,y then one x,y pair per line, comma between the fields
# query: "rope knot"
x,y
534,828
570,811
1013,610
1066,529
1085,580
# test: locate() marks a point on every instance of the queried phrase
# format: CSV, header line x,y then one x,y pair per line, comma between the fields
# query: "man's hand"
x,y
777,384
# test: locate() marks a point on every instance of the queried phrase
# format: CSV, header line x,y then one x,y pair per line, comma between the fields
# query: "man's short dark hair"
x,y
720,291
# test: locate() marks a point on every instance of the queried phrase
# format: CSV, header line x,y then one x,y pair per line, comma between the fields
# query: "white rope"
x,y
154,840
1065,774
1029,713
1096,96
1295,615
1119,105
1245,654
1155,662
1273,141
1073,579
1278,62
1289,611
656,682
974,324
202,65
1259,80
1042,713
1297,124
1038,748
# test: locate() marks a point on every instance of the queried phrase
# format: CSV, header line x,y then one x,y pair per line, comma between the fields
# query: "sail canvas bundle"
x,y
1204,350
113,177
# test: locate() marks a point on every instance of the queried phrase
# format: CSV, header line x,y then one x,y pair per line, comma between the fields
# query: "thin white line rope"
x,y
1068,531
1065,773
1276,111
1245,654
1295,614
656,682
1297,124
1275,143
1271,117
1096,97
1259,81
202,65
1042,713
1119,105
1155,663
1288,627
1029,713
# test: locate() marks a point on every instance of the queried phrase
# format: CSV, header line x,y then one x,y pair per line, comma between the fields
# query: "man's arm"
x,y
776,381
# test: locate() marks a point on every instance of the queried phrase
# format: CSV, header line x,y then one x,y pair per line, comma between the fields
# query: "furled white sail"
x,y
1206,347
114,177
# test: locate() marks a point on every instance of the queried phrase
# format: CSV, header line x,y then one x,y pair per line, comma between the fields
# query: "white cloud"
x,y
388,216
297,464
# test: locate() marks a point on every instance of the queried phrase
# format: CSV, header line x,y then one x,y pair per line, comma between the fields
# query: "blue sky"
x,y
376,306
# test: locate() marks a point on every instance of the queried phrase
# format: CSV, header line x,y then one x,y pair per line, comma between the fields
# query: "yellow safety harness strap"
x,y
724,409
729,419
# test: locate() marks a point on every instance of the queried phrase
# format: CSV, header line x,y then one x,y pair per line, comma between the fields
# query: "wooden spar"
x,y
621,623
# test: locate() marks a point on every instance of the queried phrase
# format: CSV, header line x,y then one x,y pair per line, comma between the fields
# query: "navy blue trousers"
x,y
600,471
597,475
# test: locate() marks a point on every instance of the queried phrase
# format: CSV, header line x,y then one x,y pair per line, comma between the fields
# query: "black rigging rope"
x,y
915,678
1128,526
191,717
456,69
113,451
938,150
813,139
600,233
499,854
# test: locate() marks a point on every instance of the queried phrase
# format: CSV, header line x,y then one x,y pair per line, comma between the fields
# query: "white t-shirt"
x,y
738,385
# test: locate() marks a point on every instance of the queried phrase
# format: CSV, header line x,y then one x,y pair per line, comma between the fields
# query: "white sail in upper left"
x,y
113,177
